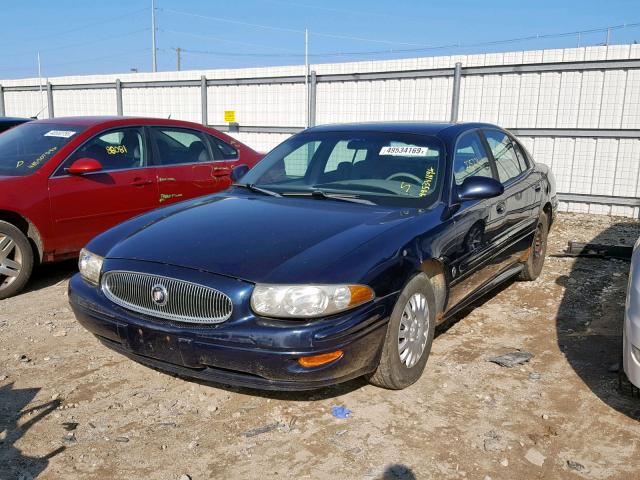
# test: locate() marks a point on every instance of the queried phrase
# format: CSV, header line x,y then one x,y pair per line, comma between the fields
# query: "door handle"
x,y
500,208
538,187
141,182
221,171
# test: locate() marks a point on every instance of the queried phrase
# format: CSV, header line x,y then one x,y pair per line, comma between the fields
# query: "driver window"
x,y
116,150
470,159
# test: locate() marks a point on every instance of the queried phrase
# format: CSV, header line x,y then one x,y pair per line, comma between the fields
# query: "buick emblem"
x,y
159,295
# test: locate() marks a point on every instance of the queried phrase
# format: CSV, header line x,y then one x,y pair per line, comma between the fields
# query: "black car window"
x,y
27,147
507,162
383,167
470,158
522,157
118,149
222,150
177,146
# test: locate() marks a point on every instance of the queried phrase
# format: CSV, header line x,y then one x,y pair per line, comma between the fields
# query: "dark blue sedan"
x,y
334,258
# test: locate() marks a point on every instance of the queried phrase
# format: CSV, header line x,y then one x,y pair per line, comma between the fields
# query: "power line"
x,y
217,39
85,26
228,20
422,49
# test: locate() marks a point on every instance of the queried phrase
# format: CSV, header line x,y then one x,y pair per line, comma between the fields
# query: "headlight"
x,y
307,301
90,266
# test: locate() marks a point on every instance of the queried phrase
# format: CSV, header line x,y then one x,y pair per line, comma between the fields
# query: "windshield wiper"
x,y
333,196
253,188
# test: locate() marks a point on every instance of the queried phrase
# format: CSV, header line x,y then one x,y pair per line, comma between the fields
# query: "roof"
x,y
417,128
14,120
90,121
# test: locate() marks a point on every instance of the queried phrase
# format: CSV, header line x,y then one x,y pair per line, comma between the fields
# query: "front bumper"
x,y
247,352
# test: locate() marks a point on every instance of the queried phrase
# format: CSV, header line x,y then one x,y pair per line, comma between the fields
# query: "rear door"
x,y
519,202
83,206
477,222
185,164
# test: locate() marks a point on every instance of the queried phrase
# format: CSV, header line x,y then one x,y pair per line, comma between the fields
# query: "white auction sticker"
x,y
405,151
60,133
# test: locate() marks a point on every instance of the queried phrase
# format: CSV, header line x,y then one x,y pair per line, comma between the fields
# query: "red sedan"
x,y
64,180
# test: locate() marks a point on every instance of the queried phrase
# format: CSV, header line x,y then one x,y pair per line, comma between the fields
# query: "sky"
x,y
87,37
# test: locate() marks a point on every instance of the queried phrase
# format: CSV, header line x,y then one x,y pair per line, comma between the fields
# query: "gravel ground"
x,y
71,409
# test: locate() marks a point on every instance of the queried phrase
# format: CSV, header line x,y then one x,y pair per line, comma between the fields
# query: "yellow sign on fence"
x,y
229,115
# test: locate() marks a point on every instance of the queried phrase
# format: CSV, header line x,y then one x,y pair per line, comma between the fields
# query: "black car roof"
x,y
417,128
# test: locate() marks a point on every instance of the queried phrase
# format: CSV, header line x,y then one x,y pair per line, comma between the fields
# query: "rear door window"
x,y
177,146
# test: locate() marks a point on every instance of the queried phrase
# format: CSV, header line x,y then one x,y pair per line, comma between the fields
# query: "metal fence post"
x,y
49,100
455,96
2,111
118,97
203,100
313,83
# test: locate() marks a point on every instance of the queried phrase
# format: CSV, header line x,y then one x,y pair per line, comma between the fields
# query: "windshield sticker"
x,y
40,159
428,180
405,151
115,149
60,133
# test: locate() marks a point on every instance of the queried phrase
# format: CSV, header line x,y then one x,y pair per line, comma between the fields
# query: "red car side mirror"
x,y
84,165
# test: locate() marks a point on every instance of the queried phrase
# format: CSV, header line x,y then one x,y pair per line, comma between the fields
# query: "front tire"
x,y
16,260
409,336
535,261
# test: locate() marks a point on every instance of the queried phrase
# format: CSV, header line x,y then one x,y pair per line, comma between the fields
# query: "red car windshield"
x,y
26,148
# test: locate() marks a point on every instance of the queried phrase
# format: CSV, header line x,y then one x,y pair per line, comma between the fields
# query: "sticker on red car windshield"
x,y
60,133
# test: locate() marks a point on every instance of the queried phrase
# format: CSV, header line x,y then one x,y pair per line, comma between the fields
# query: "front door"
x,y
477,222
83,206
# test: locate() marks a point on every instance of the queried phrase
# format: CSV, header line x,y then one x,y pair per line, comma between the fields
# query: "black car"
x,y
333,258
7,122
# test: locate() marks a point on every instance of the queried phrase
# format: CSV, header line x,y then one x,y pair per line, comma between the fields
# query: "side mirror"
x,y
84,165
238,172
478,188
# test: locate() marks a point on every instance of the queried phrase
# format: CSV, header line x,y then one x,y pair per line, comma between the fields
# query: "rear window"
x,y
26,148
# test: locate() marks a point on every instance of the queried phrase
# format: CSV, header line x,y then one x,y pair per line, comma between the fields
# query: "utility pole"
x,y
178,58
154,63
306,72
40,83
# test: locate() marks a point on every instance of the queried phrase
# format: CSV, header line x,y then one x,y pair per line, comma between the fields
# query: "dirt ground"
x,y
72,409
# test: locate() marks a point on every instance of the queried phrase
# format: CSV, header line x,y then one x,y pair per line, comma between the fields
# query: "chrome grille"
x,y
185,301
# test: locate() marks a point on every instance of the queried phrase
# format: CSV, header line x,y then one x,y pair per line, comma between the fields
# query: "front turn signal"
x,y
322,359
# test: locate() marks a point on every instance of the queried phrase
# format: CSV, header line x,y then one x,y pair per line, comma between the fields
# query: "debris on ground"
x,y
265,429
340,412
578,467
535,457
512,359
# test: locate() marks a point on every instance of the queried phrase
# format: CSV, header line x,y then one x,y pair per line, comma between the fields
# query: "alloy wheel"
x,y
10,261
413,330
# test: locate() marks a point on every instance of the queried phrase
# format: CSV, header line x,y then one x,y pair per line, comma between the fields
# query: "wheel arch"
x,y
29,229
435,270
548,210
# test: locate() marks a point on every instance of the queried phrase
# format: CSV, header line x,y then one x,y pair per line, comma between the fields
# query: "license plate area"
x,y
160,346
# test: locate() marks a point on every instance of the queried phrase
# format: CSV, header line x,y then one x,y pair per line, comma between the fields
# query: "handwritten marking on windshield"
x,y
20,163
167,196
115,149
405,186
426,184
41,158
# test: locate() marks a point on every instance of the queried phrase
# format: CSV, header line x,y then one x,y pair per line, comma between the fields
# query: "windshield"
x,y
25,148
384,168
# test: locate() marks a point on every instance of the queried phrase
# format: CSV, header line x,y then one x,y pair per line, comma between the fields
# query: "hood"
x,y
255,238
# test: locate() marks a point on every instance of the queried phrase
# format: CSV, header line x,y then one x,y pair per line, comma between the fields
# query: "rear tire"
x,y
535,262
409,336
16,260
